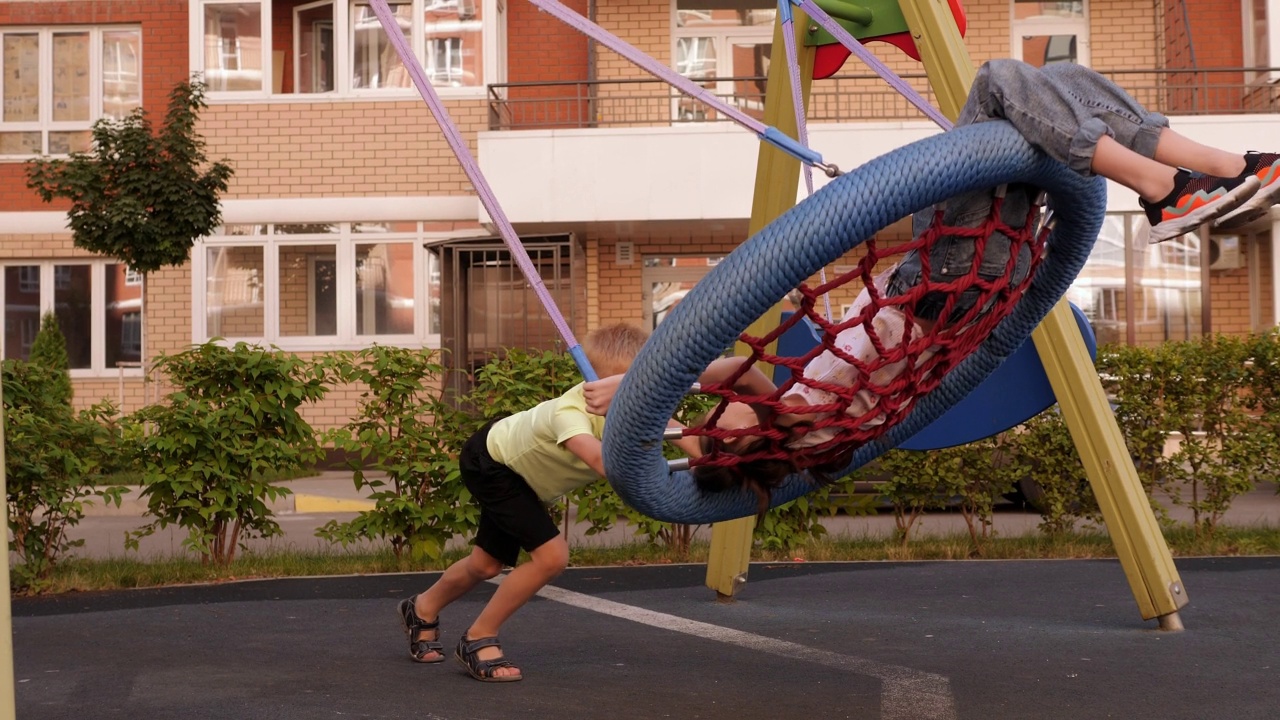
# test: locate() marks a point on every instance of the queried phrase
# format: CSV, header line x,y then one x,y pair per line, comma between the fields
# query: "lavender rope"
x,y
662,72
855,47
797,103
472,169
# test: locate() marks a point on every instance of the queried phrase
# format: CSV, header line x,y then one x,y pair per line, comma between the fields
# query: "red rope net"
x,y
895,343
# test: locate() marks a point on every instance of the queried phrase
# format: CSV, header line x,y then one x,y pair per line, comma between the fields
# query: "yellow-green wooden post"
x,y
1141,547
8,704
777,180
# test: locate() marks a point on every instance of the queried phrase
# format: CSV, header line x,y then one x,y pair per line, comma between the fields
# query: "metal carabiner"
x,y
829,169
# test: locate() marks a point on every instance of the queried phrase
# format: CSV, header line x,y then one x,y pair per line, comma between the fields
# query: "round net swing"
x,y
911,378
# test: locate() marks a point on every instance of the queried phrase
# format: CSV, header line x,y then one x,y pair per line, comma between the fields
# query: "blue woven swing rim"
x,y
818,231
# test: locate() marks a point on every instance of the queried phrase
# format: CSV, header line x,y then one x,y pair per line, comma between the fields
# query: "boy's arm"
x,y
599,393
588,449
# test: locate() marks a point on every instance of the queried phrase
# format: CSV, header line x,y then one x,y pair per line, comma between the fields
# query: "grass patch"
x,y
79,575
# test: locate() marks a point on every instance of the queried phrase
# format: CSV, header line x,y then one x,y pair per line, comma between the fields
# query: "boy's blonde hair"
x,y
611,349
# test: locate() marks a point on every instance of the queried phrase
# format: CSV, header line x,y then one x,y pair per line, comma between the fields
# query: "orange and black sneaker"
x,y
1196,199
1265,167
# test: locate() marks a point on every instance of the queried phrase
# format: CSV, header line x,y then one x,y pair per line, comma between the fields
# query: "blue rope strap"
x,y
821,229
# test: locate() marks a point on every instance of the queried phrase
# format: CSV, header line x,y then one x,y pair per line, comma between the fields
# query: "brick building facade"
x,y
348,220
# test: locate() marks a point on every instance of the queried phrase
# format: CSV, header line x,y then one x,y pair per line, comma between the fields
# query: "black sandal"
x,y
413,624
482,670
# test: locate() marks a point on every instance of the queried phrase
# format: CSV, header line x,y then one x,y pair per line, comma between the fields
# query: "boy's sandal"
x,y
420,649
482,670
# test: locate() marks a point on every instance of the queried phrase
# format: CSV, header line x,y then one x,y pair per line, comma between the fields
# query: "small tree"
x,y
52,457
140,196
49,350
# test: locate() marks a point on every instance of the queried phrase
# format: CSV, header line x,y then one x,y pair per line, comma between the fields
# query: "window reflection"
x,y
73,305
384,289
233,292
1133,292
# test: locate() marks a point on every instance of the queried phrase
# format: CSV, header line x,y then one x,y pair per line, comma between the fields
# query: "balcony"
x,y
636,150
841,99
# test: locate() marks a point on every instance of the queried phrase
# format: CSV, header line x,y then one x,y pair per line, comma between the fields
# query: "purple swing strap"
x,y
797,103
904,88
769,134
472,169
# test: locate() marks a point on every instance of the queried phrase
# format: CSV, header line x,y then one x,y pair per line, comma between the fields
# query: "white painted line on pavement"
x,y
906,695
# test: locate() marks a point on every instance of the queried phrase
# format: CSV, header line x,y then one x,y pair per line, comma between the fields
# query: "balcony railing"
x,y
844,98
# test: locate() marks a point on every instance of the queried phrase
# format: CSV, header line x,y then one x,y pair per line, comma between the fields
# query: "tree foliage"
x,y
140,196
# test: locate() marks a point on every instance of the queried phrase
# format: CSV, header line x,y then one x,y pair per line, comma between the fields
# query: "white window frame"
x,y
722,38
345,242
494,22
46,124
297,42
98,308
1250,48
434,71
1050,25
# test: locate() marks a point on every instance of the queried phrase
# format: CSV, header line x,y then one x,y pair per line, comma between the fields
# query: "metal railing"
x,y
843,98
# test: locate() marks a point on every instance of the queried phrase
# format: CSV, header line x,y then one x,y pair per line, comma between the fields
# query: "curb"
x,y
307,503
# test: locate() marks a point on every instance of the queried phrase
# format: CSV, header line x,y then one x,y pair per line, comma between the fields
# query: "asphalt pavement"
x,y
978,640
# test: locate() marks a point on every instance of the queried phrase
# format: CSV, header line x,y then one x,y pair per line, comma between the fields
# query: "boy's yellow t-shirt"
x,y
530,443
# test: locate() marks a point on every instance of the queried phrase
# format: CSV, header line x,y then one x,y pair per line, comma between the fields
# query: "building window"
x,y
339,46
1050,32
320,286
314,64
93,304
55,83
234,57
1136,293
444,61
714,46
1259,39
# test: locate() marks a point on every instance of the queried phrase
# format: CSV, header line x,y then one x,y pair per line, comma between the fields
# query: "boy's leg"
x,y
546,562
455,582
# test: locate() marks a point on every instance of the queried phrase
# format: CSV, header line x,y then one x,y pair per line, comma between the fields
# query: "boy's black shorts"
x,y
511,514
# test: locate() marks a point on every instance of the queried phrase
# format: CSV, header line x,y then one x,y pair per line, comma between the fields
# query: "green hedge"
x,y
209,449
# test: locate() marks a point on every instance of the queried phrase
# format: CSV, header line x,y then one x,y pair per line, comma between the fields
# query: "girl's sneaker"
x,y
1265,167
1196,199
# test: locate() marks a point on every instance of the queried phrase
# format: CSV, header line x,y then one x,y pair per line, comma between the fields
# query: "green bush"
x,y
232,423
1042,450
981,477
409,435
1215,461
49,350
52,457
915,482
1263,400
1135,379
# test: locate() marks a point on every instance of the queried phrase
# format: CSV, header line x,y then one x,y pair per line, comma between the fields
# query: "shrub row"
x,y
208,453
